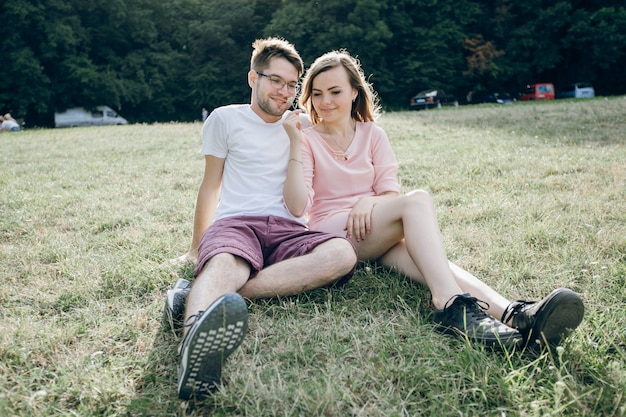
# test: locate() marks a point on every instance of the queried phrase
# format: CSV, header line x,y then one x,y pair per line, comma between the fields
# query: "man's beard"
x,y
268,106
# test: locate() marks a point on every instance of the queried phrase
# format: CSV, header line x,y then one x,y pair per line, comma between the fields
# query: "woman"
x,y
342,172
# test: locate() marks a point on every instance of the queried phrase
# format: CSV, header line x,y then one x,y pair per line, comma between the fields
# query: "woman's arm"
x,y
295,190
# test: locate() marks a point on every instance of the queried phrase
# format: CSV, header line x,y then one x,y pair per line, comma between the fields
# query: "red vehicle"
x,y
540,91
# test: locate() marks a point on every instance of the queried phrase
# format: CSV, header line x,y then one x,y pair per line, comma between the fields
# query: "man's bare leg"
x,y
222,274
327,263
226,273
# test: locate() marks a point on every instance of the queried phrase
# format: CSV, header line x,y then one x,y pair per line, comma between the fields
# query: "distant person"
x,y
9,123
349,186
245,241
205,113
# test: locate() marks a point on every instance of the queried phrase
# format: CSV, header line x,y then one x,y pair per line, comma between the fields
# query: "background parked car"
x,y
79,116
487,97
540,91
577,90
429,99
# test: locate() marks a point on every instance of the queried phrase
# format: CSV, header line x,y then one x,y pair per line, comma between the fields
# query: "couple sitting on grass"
x,y
268,166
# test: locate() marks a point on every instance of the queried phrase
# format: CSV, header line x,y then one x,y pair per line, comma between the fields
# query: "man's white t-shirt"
x,y
256,157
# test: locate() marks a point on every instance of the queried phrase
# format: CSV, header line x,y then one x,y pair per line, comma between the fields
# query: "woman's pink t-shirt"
x,y
336,184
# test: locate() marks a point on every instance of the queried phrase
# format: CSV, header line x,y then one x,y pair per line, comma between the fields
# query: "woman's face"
x,y
332,94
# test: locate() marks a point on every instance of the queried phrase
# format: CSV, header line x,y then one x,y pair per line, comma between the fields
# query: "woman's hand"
x,y
293,125
360,219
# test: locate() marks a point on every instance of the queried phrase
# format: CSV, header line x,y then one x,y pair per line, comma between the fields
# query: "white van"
x,y
79,116
577,90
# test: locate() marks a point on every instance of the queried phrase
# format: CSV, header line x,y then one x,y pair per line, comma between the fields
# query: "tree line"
x,y
162,61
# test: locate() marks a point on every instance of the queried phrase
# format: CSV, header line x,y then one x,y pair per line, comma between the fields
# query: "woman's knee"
x,y
419,194
419,199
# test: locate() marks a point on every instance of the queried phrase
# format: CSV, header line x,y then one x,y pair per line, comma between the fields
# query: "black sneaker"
x,y
546,321
213,335
463,315
174,308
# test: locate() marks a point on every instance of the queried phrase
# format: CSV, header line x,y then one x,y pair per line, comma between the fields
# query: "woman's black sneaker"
x,y
546,321
464,316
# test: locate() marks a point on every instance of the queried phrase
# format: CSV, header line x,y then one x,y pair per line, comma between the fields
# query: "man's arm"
x,y
206,203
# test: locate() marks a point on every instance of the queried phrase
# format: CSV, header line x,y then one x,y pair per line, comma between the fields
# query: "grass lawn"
x,y
530,197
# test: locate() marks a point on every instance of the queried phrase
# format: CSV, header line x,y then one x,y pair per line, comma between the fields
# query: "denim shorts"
x,y
260,240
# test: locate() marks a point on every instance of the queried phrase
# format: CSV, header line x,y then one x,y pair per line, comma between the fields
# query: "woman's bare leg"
x,y
421,255
407,233
469,283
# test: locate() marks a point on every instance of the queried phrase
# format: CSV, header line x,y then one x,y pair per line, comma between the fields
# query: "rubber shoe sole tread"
x,y
213,337
554,317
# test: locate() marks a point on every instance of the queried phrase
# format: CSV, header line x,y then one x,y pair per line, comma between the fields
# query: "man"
x,y
245,240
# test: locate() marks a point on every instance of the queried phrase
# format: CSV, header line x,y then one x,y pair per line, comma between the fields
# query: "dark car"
x,y
429,99
488,97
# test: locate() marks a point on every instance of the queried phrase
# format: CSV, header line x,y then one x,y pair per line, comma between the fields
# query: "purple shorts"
x,y
260,240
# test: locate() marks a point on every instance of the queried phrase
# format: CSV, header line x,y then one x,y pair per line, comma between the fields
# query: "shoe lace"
x,y
514,309
473,305
189,321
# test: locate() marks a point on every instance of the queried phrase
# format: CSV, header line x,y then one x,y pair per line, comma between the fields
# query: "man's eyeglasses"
x,y
278,82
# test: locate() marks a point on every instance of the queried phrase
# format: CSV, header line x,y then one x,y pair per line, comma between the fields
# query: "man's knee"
x,y
349,253
340,254
223,263
345,256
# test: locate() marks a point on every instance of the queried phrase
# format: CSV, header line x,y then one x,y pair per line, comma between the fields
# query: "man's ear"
x,y
252,77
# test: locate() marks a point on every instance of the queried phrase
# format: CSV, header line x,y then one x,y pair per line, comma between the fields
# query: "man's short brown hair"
x,y
264,50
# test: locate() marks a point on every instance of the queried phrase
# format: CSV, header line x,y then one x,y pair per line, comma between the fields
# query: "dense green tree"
x,y
431,45
220,46
595,46
562,42
318,27
160,61
25,83
406,45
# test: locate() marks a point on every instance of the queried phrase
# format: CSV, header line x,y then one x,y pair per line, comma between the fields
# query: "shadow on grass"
x,y
410,357
156,388
372,289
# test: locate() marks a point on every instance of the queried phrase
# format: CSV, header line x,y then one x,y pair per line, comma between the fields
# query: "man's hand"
x,y
184,259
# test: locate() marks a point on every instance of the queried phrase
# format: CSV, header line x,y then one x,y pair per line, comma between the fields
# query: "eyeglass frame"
x,y
275,80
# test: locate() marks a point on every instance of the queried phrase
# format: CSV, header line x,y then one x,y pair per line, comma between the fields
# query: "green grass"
x,y
530,197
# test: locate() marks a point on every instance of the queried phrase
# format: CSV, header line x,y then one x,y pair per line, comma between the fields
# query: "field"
x,y
530,197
